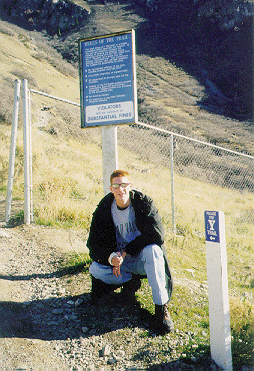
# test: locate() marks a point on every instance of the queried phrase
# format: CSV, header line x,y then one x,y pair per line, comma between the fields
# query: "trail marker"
x,y
216,259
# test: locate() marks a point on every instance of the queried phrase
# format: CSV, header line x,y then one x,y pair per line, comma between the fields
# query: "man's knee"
x,y
92,269
152,252
98,271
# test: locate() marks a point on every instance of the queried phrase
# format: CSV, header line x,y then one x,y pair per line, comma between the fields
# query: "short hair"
x,y
118,173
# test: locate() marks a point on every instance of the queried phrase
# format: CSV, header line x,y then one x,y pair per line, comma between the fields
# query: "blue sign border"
x,y
107,69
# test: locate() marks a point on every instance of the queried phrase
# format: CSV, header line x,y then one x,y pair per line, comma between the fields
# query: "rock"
x,y
61,291
106,350
227,15
56,17
191,271
57,311
112,360
245,368
78,302
70,302
119,355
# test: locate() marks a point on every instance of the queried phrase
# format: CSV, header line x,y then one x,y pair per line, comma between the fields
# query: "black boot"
x,y
163,320
129,289
100,289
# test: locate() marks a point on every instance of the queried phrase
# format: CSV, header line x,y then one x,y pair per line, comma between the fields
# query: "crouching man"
x,y
126,240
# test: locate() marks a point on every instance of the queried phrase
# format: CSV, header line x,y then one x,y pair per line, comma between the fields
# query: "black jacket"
x,y
102,237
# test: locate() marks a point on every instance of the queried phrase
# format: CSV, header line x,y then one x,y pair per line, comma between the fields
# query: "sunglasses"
x,y
117,185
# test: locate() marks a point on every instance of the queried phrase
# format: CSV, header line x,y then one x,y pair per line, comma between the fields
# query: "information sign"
x,y
108,79
212,226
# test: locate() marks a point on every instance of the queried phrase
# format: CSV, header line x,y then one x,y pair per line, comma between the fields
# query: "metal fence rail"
x,y
200,176
188,175
184,176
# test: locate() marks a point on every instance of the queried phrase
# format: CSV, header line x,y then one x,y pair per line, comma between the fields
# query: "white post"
x,y
30,156
219,318
172,182
26,143
12,151
109,154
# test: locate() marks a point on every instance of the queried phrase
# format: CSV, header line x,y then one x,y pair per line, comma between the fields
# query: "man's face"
x,y
121,188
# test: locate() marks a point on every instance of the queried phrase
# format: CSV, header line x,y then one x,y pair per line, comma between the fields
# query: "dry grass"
x,y
64,181
242,330
19,59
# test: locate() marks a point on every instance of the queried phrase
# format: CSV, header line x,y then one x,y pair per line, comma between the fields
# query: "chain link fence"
x,y
184,176
199,177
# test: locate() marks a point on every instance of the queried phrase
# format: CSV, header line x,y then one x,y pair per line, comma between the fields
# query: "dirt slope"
x,y
28,267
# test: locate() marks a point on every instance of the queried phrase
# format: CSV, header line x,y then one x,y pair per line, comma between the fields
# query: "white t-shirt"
x,y
125,225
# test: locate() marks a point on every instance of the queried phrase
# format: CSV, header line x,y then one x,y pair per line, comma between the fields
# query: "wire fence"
x,y
183,175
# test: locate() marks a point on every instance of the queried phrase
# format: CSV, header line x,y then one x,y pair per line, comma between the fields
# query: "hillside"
x,y
169,94
211,40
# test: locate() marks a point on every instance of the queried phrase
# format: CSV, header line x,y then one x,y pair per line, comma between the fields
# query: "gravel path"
x,y
49,324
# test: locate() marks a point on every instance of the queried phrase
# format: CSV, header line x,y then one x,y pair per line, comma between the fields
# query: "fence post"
x,y
12,151
109,154
172,182
26,143
30,155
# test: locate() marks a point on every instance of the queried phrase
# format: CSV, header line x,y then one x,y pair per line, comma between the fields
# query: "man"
x,y
126,239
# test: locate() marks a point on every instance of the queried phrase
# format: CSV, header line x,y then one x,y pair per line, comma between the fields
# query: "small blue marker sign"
x,y
212,226
217,282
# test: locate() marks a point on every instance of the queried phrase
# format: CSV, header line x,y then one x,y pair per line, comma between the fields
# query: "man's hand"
x,y
116,271
117,262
